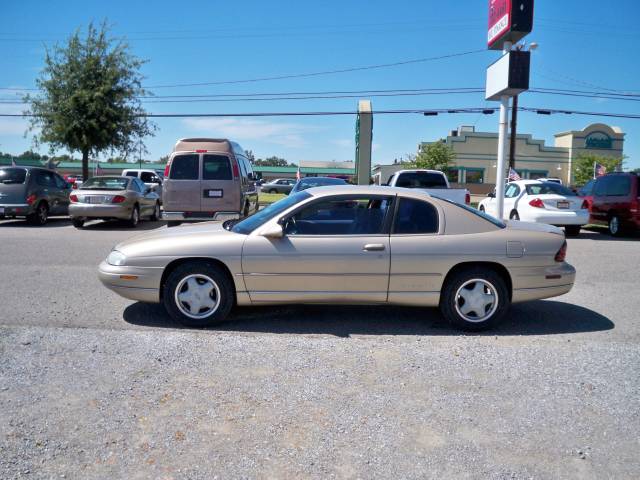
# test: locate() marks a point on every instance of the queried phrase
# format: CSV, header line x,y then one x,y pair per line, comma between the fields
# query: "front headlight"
x,y
116,258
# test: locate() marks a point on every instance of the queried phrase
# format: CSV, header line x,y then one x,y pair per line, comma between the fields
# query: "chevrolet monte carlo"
x,y
346,245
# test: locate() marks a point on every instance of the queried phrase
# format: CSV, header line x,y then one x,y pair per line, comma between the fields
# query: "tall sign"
x,y
509,21
364,135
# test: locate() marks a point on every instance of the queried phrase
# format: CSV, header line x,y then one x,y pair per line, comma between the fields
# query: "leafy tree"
x,y
90,97
250,156
434,156
272,162
582,166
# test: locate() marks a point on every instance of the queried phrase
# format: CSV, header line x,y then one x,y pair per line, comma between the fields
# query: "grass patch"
x,y
267,198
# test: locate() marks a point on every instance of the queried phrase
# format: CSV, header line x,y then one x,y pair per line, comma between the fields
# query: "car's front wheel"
x,y
482,208
155,216
572,230
198,295
40,216
615,228
514,215
78,222
475,299
273,190
134,219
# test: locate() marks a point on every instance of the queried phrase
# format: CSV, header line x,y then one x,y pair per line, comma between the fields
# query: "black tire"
x,y
615,228
156,215
77,222
457,281
223,297
514,215
572,230
134,220
40,216
272,191
173,223
481,208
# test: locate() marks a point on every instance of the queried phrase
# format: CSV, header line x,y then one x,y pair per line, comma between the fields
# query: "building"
x,y
476,155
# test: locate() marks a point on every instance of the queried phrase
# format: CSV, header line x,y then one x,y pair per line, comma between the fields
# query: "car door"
x,y
220,191
599,207
62,191
147,199
510,195
334,249
415,275
182,187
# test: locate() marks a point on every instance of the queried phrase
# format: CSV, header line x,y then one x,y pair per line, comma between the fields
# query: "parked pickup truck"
x,y
433,182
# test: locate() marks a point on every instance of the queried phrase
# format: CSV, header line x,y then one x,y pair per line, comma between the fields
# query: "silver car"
x,y
113,198
348,245
279,185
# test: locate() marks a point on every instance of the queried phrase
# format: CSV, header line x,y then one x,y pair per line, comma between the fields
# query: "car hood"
x,y
190,240
533,227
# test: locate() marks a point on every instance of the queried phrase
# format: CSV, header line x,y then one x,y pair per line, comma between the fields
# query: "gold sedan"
x,y
346,245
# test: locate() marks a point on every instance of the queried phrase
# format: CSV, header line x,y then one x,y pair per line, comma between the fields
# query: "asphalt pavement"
x,y
95,386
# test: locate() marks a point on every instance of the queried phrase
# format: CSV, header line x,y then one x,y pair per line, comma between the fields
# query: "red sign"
x,y
499,19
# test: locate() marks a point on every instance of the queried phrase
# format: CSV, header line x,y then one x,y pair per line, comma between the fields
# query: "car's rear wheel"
x,y
482,208
615,228
572,230
475,299
272,191
155,216
173,223
198,295
40,216
78,222
134,220
514,215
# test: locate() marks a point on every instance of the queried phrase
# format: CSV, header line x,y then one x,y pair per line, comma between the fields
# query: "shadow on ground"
x,y
52,222
533,318
602,234
117,225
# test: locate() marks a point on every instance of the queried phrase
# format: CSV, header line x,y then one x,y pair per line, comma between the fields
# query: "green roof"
x,y
307,170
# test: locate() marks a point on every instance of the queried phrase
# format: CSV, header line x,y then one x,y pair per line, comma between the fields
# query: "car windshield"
x,y
249,224
421,180
486,216
318,182
12,175
106,183
549,188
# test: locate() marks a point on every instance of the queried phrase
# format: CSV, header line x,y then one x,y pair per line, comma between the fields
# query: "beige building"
x,y
476,155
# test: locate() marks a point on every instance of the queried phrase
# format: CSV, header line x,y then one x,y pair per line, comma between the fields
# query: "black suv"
x,y
32,192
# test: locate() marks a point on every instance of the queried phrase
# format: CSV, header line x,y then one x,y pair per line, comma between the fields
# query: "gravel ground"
x,y
94,386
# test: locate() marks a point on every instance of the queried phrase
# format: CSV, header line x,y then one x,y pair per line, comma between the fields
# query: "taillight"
x,y
167,168
562,253
536,202
31,198
73,198
467,198
585,204
236,171
118,199
74,186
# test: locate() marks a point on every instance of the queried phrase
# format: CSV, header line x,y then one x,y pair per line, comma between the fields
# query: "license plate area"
x,y
212,193
563,205
95,199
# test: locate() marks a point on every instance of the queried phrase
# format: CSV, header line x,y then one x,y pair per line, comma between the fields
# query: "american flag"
x,y
599,170
98,169
513,175
298,174
13,162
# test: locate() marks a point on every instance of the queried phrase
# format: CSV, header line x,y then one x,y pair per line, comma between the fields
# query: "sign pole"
x,y
502,144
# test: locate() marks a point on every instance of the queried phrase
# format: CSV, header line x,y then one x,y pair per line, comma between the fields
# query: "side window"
x,y
587,189
600,188
512,191
343,216
45,179
133,185
141,186
248,166
216,167
131,174
148,177
415,216
618,186
184,167
243,167
60,183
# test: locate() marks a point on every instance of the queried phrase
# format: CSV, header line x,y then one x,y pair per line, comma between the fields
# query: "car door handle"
x,y
373,247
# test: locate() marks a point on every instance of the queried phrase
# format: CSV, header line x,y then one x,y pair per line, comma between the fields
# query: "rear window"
x,y
619,186
131,174
216,167
105,183
415,216
12,175
549,188
184,167
421,180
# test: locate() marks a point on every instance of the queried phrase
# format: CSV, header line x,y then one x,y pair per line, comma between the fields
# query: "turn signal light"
x,y
31,198
73,198
118,199
562,253
236,171
536,202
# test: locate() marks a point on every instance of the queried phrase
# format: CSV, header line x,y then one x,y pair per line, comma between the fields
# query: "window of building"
x,y
474,176
453,175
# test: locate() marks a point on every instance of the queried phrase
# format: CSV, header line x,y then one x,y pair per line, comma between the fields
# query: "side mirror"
x,y
273,231
491,195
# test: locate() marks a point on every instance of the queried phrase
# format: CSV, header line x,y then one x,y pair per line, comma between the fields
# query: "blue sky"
x,y
584,45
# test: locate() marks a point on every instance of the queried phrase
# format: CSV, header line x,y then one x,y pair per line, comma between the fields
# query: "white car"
x,y
541,202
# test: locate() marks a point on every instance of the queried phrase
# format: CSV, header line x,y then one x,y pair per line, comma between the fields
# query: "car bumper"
x,y
545,282
85,210
135,283
14,209
194,217
558,218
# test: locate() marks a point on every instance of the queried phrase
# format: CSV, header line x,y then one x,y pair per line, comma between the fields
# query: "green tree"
x,y
272,162
434,156
250,155
582,166
89,100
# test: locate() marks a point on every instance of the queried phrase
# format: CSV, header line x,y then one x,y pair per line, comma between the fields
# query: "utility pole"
x,y
512,139
502,144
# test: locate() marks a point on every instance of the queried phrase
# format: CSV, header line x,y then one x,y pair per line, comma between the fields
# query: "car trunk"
x,y
560,203
98,197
